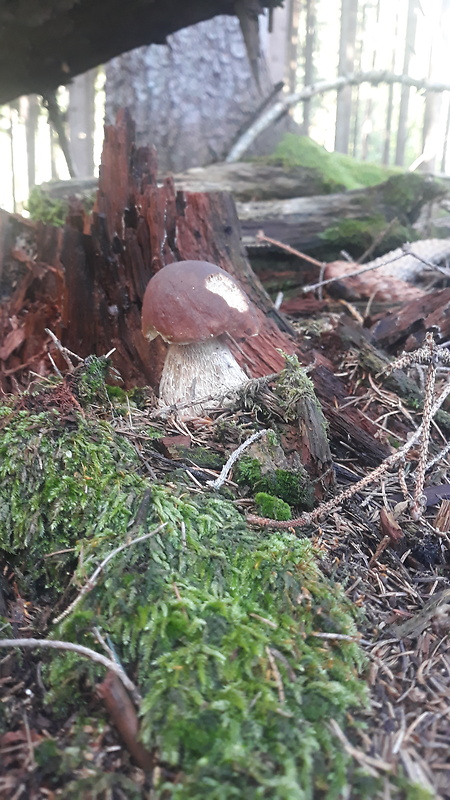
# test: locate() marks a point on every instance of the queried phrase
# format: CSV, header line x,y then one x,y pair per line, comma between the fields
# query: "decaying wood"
x,y
253,180
40,45
353,286
389,277
406,328
86,282
301,222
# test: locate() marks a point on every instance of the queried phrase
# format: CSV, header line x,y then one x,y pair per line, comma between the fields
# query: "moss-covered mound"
x,y
221,627
338,170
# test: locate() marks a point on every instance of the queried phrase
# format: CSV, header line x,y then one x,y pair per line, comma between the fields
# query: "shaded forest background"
x,y
194,96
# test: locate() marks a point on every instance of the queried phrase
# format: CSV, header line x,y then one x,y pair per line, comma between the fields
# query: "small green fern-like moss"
x,y
292,487
272,507
211,619
203,655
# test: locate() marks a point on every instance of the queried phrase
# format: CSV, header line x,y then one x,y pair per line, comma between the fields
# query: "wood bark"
x,y
302,222
349,14
402,131
253,181
407,327
45,43
86,282
296,221
192,96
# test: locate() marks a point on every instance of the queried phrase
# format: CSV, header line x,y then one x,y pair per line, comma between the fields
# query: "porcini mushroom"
x,y
192,305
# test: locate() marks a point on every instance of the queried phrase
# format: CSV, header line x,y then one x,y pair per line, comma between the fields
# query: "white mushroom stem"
x,y
197,371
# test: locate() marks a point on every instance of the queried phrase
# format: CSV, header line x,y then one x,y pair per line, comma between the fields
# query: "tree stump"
x,y
86,281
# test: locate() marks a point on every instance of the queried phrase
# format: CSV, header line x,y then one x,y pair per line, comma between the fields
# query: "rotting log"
x,y
405,329
309,223
254,180
86,281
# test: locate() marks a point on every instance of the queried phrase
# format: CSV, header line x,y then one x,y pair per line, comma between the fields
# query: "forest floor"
x,y
392,568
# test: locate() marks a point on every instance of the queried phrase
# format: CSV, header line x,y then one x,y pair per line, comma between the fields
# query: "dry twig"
x,y
226,469
56,644
325,508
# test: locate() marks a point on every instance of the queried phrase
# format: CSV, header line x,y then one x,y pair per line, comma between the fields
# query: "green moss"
x,y
205,457
61,482
294,488
90,381
339,171
203,655
294,386
272,507
116,393
43,208
56,762
248,472
355,232
408,192
212,620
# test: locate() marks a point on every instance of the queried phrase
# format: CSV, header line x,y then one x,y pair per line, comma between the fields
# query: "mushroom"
x,y
192,305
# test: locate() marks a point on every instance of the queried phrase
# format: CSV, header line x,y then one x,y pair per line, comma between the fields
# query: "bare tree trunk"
x,y
80,117
30,110
434,121
292,45
446,134
367,126
53,151
191,97
12,116
390,101
349,15
357,102
276,43
402,130
310,41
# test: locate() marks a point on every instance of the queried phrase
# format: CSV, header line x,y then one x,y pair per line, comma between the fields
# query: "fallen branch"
x,y
360,271
56,644
325,508
218,482
279,108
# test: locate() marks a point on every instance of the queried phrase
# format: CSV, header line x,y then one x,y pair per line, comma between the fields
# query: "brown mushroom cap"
x,y
190,301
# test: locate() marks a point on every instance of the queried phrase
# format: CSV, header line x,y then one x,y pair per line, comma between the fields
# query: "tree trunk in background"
x,y
81,118
31,112
402,130
349,16
367,125
191,97
310,41
434,120
390,101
